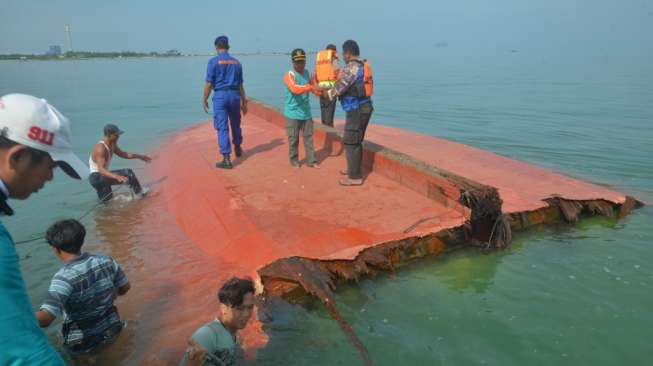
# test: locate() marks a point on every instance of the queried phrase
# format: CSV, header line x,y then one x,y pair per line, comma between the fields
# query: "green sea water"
x,y
564,295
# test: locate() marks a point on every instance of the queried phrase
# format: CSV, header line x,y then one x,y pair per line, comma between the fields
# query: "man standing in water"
x,y
215,343
354,87
82,292
224,76
298,110
101,178
34,139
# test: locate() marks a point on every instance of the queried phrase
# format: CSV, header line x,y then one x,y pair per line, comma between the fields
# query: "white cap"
x,y
33,122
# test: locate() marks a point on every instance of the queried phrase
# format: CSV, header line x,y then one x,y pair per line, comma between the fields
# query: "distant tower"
x,y
70,37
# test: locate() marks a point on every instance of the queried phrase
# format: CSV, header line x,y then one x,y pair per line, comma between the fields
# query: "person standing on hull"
x,y
224,76
326,71
354,87
101,178
297,109
34,139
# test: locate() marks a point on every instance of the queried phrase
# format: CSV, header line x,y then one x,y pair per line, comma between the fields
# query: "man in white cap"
x,y
34,139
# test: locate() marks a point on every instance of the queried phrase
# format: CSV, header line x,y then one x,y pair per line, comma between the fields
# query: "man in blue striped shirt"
x,y
82,291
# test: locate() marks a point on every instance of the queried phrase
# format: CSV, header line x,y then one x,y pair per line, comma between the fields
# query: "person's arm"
x,y
289,80
120,280
335,63
99,155
243,99
123,289
128,155
202,344
313,83
208,87
346,78
195,354
53,305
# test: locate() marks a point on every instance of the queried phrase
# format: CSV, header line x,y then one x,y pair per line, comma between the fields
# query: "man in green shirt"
x,y
215,343
35,138
297,109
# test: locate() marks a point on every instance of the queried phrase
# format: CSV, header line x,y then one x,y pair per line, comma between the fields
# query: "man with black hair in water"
x,y
82,292
215,343
101,177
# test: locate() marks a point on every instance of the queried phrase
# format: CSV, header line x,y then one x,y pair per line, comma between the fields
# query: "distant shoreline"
x,y
73,56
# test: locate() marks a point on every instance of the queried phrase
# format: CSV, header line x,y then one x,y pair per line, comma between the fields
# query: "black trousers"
x,y
327,109
103,184
355,126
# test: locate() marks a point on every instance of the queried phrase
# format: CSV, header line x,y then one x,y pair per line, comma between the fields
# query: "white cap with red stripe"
x,y
32,122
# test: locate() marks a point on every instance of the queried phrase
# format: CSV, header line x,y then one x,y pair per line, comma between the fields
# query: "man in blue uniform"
x,y
224,76
34,139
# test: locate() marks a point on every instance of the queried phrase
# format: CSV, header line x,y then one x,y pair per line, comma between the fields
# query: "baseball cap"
x,y
298,55
33,122
111,129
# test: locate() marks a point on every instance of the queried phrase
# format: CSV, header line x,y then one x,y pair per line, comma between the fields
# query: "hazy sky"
x,y
30,26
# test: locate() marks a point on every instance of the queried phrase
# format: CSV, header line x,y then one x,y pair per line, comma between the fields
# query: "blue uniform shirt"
x,y
224,72
21,340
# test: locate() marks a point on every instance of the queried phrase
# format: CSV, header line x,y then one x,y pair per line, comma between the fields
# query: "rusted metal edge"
x,y
299,279
294,278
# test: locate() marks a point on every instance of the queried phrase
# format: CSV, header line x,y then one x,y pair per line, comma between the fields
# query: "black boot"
x,y
225,163
238,150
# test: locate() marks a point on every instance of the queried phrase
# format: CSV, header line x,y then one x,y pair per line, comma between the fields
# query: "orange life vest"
x,y
324,66
368,80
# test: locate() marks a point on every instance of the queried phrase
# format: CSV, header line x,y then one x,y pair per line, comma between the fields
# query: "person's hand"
x,y
196,354
121,179
146,158
243,107
205,104
331,93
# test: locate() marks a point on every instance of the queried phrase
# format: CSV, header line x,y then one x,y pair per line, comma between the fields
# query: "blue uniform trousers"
x,y
226,114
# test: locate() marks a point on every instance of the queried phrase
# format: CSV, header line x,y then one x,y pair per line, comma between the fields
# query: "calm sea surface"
x,y
564,295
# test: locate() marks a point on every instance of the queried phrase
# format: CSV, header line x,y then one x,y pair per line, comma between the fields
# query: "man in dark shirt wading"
x,y
82,291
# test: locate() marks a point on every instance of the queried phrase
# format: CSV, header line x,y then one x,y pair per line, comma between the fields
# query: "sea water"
x,y
563,295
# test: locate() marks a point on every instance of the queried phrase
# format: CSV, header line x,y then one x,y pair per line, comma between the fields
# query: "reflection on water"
x,y
470,271
173,285
555,294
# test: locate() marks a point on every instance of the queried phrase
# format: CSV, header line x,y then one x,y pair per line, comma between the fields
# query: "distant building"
x,y
54,51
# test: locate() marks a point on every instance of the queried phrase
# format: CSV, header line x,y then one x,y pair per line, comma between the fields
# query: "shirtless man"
x,y
101,177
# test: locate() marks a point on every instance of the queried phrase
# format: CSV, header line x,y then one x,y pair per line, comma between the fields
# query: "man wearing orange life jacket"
x,y
326,71
354,87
